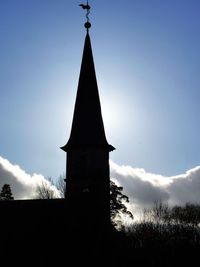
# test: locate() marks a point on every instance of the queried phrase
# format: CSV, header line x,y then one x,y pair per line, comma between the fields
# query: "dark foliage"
x,y
188,214
162,213
156,245
117,204
6,193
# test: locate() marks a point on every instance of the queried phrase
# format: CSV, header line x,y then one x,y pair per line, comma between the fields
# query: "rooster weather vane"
x,y
87,8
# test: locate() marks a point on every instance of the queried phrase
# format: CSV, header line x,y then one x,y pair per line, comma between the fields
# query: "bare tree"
x,y
61,185
159,213
44,191
188,214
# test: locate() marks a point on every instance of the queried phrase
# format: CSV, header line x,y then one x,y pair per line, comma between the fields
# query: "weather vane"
x,y
87,8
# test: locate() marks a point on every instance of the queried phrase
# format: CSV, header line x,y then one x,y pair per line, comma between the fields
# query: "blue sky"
x,y
147,61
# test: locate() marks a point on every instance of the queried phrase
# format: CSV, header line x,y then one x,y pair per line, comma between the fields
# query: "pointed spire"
x,y
87,126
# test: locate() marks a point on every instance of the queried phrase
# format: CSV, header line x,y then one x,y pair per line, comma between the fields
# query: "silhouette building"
x,y
76,230
82,219
87,148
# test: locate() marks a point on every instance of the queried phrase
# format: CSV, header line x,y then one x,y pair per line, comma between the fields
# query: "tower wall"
x,y
88,184
87,164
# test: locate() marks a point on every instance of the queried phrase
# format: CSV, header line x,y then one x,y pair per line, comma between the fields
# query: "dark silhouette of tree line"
x,y
165,236
162,213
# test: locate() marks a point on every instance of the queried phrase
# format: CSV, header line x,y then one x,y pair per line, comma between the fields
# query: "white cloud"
x,y
186,187
144,188
23,185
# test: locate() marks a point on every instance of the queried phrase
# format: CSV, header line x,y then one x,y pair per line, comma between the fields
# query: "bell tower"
x,y
87,171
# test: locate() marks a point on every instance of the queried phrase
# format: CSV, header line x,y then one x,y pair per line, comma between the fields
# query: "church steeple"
x,y
87,171
87,127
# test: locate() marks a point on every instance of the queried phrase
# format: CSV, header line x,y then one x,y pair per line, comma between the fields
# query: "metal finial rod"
x,y
87,8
